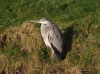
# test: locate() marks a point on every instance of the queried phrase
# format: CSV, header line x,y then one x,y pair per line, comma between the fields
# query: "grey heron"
x,y
52,36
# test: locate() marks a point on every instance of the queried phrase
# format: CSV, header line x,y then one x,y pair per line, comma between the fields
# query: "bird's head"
x,y
42,21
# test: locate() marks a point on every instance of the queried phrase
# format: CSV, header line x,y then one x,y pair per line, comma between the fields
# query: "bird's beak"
x,y
36,21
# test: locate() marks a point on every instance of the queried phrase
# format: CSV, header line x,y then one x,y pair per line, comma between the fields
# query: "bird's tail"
x,y
59,55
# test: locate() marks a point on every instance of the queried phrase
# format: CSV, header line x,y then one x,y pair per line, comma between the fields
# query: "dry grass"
x,y
29,40
25,37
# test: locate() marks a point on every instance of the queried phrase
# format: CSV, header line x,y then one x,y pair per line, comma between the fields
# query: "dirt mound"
x,y
25,37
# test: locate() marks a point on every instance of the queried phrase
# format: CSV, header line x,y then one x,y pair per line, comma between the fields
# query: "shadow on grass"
x,y
68,39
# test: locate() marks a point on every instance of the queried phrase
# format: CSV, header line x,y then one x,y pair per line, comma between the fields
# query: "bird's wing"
x,y
55,38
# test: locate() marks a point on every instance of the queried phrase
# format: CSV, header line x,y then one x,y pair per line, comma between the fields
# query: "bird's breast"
x,y
44,33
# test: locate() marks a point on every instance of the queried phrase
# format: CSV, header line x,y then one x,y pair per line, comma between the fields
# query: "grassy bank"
x,y
22,49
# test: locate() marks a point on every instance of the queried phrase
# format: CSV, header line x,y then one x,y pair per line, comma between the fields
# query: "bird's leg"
x,y
52,54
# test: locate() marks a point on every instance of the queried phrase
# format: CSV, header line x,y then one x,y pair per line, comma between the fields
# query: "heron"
x,y
52,36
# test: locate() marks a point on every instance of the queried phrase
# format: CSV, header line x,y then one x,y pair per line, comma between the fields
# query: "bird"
x,y
52,37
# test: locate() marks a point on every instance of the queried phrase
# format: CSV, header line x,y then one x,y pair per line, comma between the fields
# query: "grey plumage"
x,y
52,36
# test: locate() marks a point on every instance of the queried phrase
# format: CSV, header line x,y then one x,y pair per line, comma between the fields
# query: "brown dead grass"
x,y
61,70
28,39
25,37
1,62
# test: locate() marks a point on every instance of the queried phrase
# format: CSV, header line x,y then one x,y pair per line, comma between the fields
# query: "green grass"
x,y
82,15
14,53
